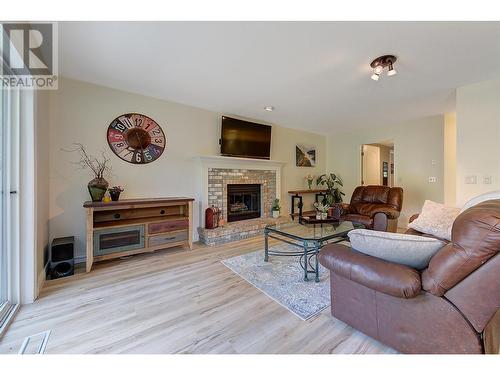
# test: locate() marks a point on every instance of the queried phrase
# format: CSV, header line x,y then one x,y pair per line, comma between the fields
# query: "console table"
x,y
134,226
297,194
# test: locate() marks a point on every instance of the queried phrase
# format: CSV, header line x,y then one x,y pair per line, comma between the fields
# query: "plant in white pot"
x,y
276,208
322,210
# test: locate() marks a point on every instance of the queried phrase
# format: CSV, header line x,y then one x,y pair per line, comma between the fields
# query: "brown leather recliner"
x,y
453,306
376,207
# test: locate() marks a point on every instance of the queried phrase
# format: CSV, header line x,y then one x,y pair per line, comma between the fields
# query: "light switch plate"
x,y
432,180
471,180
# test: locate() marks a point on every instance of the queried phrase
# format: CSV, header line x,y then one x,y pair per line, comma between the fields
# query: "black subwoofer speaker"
x,y
62,257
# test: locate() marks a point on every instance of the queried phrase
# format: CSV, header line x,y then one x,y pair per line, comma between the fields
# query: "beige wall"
x,y
81,112
478,138
292,177
450,159
418,155
42,168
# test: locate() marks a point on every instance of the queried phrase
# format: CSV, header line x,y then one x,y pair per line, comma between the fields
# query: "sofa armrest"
x,y
390,278
390,212
346,208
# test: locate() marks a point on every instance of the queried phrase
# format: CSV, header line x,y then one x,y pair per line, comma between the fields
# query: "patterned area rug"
x,y
282,279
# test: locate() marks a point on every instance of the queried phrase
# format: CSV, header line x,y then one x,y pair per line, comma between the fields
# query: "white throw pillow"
x,y
407,249
435,219
481,198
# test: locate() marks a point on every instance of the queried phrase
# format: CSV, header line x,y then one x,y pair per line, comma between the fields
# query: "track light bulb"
x,y
378,69
391,71
375,76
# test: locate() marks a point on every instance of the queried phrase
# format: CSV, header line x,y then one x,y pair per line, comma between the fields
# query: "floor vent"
x,y
35,344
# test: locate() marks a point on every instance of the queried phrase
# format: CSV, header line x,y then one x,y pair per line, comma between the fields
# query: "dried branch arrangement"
x,y
98,166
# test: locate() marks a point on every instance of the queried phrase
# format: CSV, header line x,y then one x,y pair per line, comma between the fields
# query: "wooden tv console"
x,y
134,226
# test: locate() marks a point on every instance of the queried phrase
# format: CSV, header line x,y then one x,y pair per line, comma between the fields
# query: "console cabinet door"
x,y
115,240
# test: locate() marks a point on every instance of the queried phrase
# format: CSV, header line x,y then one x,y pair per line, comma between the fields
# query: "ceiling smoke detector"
x,y
380,63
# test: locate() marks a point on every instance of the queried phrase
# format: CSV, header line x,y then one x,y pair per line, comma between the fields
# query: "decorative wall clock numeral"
x,y
136,138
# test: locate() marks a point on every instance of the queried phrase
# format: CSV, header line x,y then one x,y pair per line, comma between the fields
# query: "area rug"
x,y
282,279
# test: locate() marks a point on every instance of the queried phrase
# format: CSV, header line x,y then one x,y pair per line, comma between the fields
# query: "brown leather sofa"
x,y
453,306
376,207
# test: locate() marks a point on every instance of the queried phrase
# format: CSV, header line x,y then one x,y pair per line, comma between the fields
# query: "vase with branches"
x,y
98,166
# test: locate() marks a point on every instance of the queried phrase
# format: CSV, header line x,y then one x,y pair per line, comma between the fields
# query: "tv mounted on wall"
x,y
245,139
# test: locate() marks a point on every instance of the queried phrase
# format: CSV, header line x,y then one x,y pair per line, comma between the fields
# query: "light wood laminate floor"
x,y
175,301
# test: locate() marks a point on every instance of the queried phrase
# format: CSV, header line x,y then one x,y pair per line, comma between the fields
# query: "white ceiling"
x,y
316,74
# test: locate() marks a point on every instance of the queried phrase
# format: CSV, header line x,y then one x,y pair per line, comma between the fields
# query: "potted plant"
x,y
99,166
334,194
322,210
310,179
114,192
276,208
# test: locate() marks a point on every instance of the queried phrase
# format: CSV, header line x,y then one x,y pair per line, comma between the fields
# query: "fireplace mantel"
x,y
228,161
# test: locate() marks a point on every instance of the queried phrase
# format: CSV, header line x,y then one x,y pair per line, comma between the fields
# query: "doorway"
x,y
377,164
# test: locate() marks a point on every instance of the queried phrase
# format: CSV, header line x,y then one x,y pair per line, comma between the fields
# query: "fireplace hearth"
x,y
243,202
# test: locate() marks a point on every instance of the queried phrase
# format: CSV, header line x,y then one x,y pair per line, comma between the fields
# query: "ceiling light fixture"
x,y
380,63
269,108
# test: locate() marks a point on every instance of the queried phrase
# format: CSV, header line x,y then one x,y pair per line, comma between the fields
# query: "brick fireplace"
x,y
244,190
219,179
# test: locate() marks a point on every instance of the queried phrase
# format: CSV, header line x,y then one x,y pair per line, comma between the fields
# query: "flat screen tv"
x,y
245,139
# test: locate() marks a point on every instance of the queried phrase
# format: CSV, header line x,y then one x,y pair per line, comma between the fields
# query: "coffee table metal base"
x,y
308,249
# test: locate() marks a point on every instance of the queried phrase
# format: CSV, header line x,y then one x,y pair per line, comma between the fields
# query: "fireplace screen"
x,y
243,201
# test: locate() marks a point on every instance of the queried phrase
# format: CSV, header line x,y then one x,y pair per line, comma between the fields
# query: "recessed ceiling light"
x,y
269,108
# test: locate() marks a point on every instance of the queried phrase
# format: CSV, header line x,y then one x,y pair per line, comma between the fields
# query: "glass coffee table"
x,y
309,238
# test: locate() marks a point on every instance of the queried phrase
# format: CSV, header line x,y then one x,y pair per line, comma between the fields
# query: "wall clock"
x,y
136,138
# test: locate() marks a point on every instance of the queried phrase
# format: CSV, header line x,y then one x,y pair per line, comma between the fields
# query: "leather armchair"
x,y
453,306
376,207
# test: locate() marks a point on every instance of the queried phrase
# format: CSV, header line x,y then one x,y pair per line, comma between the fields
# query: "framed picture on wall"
x,y
305,156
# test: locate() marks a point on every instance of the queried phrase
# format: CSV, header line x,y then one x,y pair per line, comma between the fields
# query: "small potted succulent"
x,y
114,192
322,210
276,208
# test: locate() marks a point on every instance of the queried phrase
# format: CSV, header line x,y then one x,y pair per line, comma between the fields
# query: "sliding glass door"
x,y
9,203
3,253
